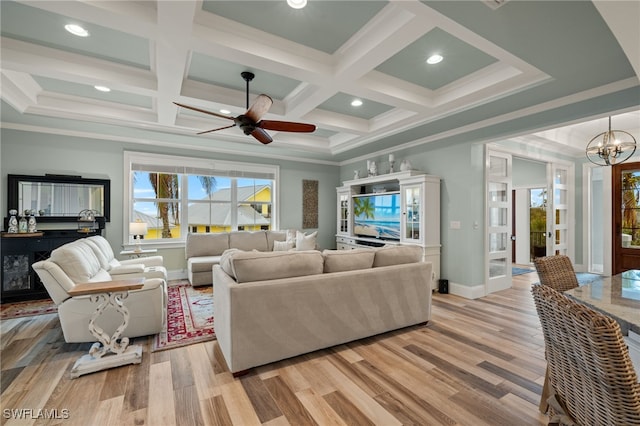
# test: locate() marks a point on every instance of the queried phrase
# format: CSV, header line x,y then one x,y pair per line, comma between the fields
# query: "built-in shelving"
x,y
419,195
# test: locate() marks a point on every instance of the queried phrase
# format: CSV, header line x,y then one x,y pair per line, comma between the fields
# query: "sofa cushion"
x,y
397,255
261,266
78,261
347,260
245,240
306,242
202,263
102,250
273,236
207,244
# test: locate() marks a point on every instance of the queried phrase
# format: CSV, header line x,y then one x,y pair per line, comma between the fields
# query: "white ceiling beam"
x,y
19,89
48,62
175,19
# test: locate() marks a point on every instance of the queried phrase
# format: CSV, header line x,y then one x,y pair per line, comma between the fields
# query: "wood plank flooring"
x,y
478,362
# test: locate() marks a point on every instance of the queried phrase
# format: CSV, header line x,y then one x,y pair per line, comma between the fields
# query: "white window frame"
x,y
188,165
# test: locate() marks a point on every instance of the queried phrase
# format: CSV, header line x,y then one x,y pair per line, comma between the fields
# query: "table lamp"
x,y
137,230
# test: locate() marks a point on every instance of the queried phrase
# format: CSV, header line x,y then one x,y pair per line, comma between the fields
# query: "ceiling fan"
x,y
250,122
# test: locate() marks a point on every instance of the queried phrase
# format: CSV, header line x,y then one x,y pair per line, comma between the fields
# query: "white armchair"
x,y
148,267
75,263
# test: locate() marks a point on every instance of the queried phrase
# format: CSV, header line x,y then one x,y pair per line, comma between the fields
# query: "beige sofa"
x,y
204,250
76,263
272,306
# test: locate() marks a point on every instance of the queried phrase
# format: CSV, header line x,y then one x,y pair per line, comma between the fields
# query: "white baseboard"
x,y
473,292
177,274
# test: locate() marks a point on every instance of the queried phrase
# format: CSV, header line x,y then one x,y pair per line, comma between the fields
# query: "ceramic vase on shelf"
x,y
31,224
13,222
23,225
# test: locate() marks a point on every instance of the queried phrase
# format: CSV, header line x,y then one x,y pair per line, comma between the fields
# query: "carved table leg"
x,y
109,351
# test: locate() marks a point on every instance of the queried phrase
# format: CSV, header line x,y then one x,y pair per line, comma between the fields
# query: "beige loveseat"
x,y
205,250
272,306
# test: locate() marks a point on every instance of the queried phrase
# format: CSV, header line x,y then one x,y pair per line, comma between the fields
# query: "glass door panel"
x,y
560,226
412,209
498,213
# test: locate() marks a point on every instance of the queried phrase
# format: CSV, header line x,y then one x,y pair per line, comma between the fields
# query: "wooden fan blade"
x,y
286,126
261,135
259,108
215,130
204,111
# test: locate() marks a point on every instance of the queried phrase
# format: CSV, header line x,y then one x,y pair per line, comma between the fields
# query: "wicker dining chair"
x,y
556,272
590,373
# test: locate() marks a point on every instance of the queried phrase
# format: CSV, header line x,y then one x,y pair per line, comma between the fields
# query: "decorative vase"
x,y
405,166
31,224
13,222
23,225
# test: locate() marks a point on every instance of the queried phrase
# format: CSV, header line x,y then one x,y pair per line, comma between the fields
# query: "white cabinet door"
x,y
344,207
412,227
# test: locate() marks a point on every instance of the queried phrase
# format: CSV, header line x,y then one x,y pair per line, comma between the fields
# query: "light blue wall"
x,y
37,154
461,168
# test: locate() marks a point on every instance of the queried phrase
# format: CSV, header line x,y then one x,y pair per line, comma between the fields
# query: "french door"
x,y
626,220
498,214
559,209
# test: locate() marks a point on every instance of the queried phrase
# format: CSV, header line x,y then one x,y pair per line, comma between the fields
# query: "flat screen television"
x,y
377,216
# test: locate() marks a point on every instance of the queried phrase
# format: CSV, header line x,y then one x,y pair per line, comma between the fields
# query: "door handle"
x,y
549,234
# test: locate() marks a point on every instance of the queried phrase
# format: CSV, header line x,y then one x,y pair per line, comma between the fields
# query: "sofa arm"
x,y
126,269
145,261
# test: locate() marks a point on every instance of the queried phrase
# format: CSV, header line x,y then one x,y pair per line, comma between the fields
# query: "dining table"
x,y
617,296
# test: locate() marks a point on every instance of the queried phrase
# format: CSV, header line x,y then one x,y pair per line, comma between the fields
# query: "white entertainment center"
x,y
409,203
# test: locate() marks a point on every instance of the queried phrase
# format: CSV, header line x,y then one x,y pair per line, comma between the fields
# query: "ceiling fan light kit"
x,y
611,147
250,122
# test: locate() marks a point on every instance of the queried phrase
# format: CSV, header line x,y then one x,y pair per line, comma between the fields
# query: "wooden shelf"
x,y
21,234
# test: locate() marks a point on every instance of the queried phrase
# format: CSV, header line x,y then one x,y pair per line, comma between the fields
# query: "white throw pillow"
x,y
306,242
283,245
291,236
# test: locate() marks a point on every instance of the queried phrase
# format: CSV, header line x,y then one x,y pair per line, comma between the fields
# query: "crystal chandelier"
x,y
611,147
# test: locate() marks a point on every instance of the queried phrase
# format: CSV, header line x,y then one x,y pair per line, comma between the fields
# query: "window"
x,y
176,194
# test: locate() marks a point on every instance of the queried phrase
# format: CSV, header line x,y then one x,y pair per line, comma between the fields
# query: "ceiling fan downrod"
x,y
247,76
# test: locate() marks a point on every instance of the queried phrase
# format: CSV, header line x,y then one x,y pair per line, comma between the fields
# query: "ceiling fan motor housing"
x,y
245,123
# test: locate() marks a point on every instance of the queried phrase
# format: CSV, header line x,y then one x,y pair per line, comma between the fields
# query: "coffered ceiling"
x,y
508,69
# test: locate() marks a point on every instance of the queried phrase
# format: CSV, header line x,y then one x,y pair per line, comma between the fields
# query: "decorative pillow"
x,y
291,236
347,260
306,242
282,245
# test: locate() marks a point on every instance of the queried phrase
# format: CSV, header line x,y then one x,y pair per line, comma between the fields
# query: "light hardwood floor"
x,y
478,362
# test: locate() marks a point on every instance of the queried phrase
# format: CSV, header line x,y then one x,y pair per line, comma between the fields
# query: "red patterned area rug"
x,y
189,318
27,309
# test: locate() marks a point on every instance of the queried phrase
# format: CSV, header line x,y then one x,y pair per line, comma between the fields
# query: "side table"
x,y
109,351
138,253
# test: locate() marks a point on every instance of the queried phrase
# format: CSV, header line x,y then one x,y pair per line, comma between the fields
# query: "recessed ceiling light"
x,y
356,102
434,59
297,4
225,111
102,88
76,30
